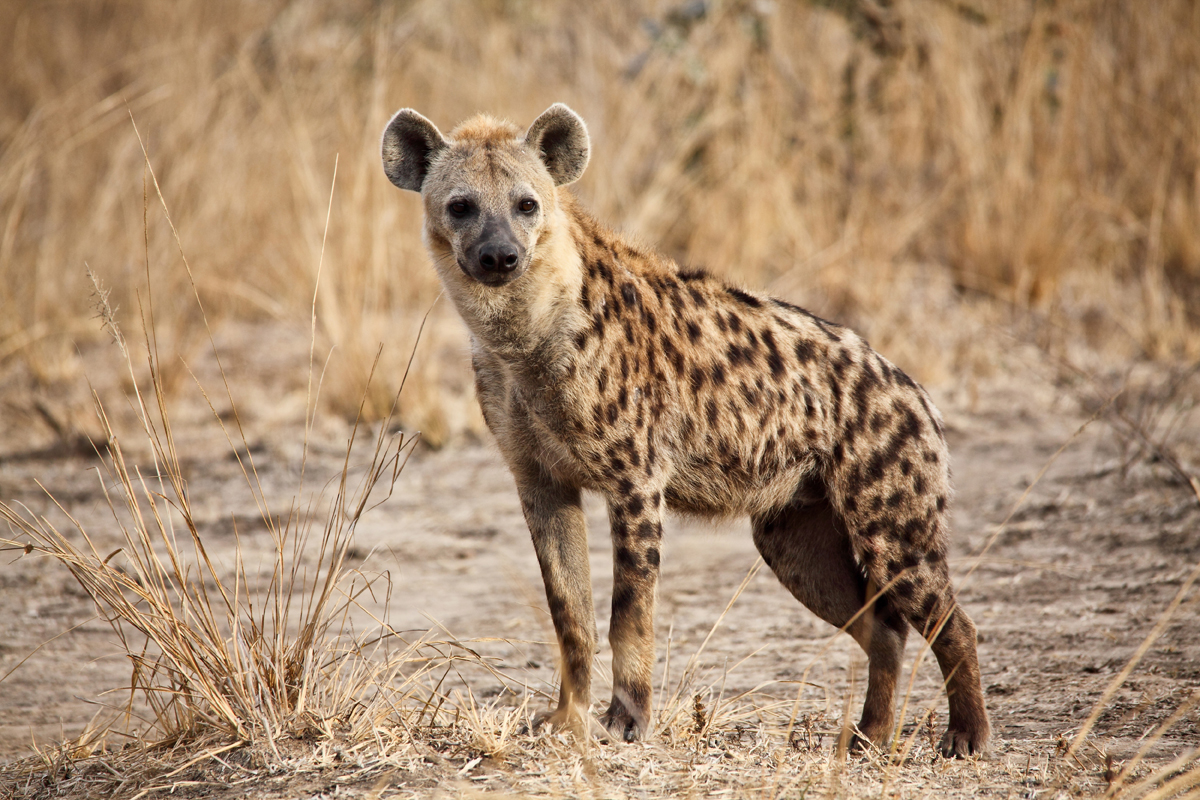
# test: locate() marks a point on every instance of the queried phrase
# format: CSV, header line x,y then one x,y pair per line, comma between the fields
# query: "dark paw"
x,y
621,724
963,744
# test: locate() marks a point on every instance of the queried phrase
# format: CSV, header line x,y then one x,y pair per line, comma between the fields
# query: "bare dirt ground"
x,y
1063,596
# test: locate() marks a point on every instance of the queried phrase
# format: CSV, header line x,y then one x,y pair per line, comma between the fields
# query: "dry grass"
x,y
923,170
919,169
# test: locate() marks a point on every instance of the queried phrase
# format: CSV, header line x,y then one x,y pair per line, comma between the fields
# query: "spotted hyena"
x,y
603,365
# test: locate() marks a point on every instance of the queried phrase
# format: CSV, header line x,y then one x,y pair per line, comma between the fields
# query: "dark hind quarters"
x,y
807,547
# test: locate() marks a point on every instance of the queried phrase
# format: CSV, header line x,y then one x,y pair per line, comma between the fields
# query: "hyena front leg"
x,y
636,519
556,522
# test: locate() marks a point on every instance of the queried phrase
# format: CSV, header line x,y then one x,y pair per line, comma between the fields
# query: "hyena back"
x,y
602,365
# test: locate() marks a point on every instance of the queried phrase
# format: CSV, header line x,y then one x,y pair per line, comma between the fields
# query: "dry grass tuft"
x,y
215,649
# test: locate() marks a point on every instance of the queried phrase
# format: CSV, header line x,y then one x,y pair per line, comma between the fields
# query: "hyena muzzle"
x,y
602,365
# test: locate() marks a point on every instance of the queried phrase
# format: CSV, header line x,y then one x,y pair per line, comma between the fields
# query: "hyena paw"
x,y
623,724
964,743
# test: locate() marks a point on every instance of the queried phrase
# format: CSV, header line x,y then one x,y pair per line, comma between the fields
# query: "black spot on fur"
x,y
941,503
612,413
735,325
598,324
672,353
635,505
618,464
806,351
867,382
692,274
651,322
913,533
885,370
850,505
629,295
835,409
712,412
841,363
743,297
625,558
649,530
774,360
718,375
895,499
697,297
697,379
652,557
623,398
602,380
839,453
750,395
581,340
919,484
624,596
693,331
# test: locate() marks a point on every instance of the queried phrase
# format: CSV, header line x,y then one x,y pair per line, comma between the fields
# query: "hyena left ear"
x,y
410,144
560,138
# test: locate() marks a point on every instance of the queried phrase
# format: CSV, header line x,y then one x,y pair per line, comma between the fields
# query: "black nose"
x,y
498,257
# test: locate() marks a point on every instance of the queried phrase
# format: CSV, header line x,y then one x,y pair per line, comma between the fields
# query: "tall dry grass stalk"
x,y
915,168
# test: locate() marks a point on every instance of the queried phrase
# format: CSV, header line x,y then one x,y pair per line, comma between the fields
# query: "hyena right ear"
x,y
410,143
560,138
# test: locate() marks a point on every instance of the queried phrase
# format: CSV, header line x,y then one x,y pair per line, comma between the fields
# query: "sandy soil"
x,y
1062,595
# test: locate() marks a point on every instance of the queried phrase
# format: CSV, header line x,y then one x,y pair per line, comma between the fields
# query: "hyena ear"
x,y
560,138
410,143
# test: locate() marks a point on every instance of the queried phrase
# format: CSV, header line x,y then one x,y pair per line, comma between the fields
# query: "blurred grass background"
x,y
929,171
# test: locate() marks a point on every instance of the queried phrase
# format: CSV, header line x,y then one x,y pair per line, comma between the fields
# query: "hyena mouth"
x,y
491,277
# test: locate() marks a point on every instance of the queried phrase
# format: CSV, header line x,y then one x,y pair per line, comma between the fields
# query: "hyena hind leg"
x,y
954,646
807,548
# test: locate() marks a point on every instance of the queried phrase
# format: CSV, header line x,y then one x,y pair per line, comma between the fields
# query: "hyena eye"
x,y
459,208
527,206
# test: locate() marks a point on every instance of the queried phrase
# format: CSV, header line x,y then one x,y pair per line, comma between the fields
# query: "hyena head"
x,y
489,191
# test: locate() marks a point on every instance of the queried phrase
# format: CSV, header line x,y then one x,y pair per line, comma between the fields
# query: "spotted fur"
x,y
603,365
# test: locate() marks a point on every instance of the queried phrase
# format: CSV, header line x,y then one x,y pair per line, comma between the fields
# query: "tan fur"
x,y
601,365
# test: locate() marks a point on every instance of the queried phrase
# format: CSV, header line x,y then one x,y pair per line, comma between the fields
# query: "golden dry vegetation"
x,y
966,182
928,171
